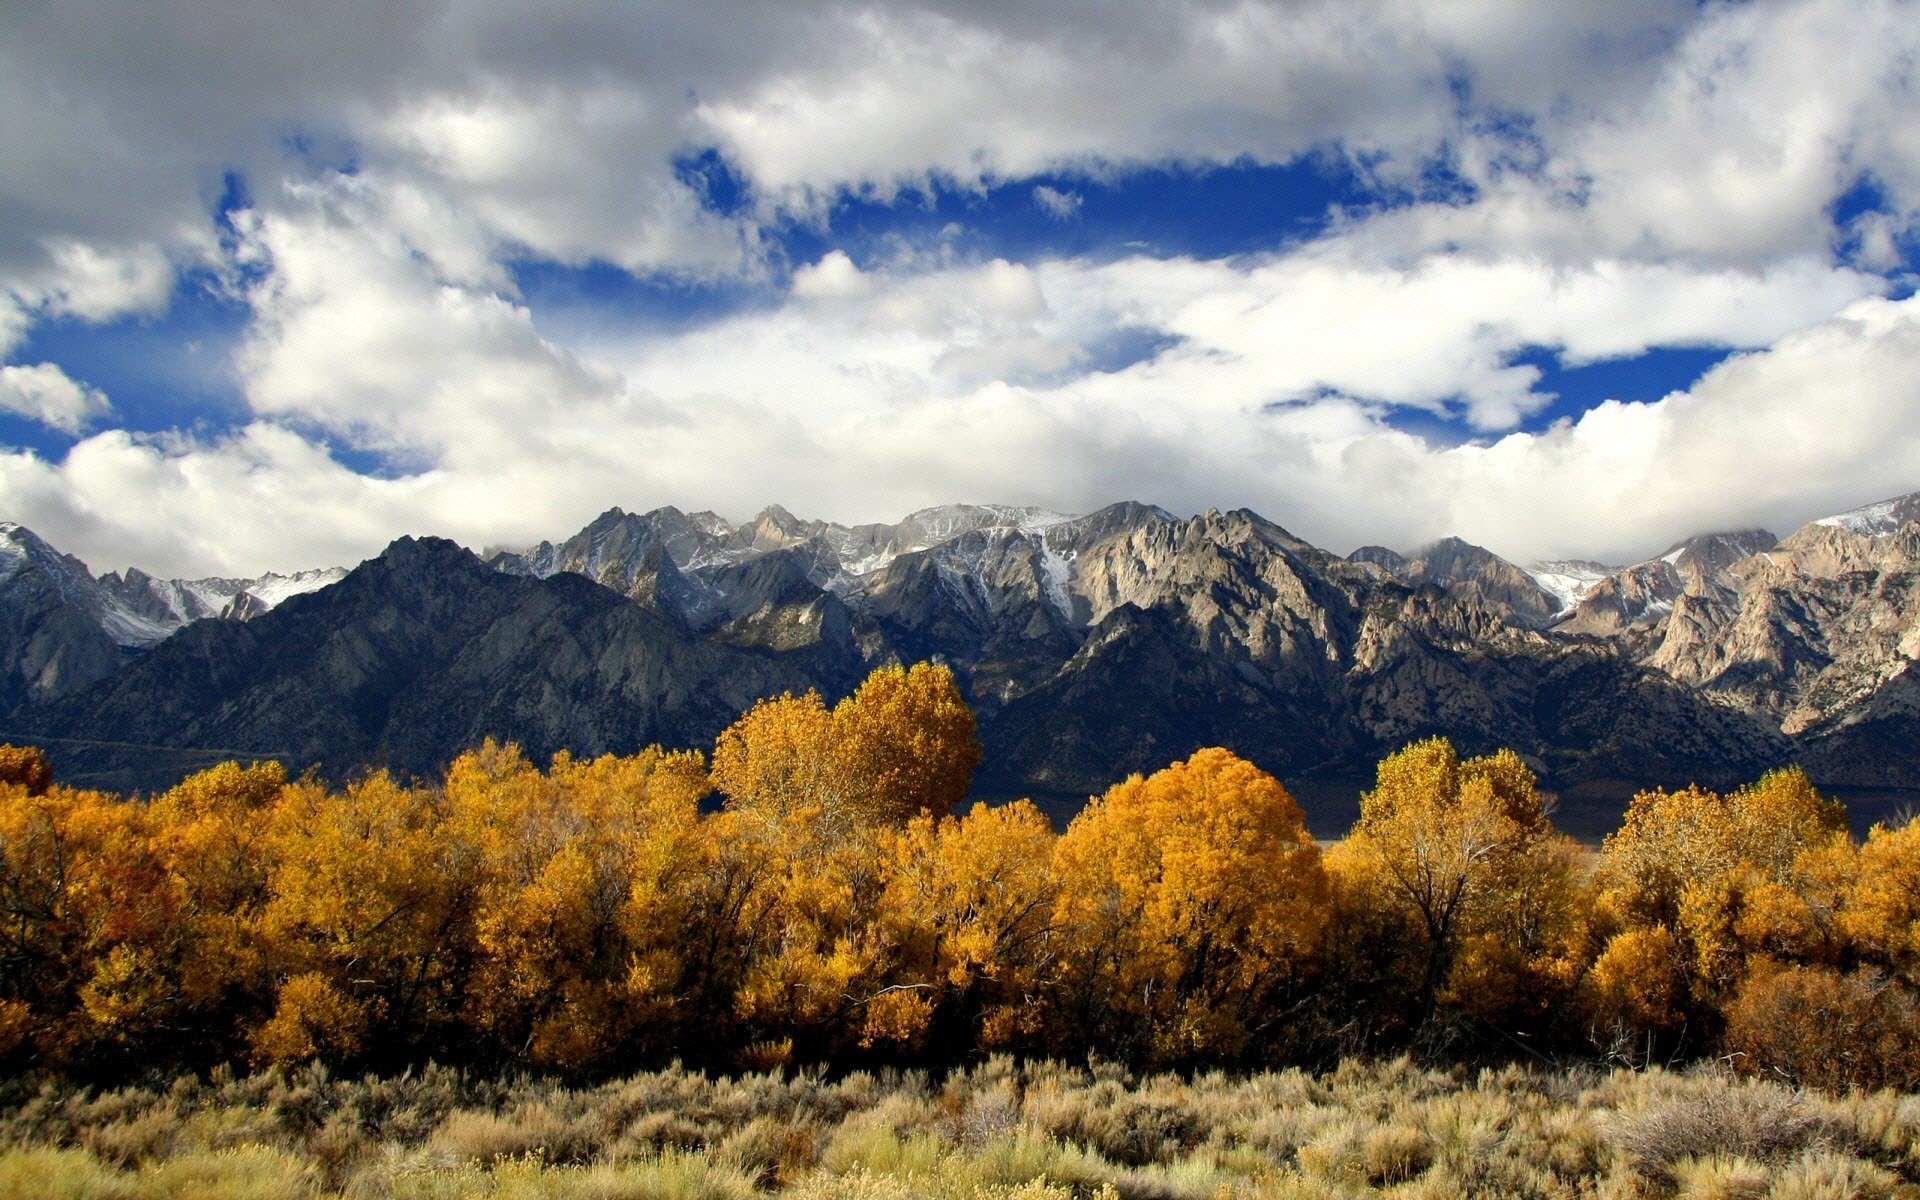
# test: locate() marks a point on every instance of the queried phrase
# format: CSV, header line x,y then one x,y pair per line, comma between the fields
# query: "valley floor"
x,y
1034,1132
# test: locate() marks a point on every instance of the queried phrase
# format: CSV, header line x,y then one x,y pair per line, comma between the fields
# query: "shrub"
x,y
1817,1027
1756,1121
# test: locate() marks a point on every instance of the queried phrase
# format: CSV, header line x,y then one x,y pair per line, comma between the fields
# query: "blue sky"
x,y
276,290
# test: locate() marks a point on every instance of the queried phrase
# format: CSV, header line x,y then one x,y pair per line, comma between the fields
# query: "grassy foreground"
x,y
1032,1132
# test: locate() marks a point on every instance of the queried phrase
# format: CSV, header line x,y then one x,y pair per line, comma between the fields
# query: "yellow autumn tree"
x,y
41,933
1462,852
780,762
1190,908
967,914
367,925
807,955
210,833
812,796
27,767
907,736
1723,881
1881,918
578,904
901,744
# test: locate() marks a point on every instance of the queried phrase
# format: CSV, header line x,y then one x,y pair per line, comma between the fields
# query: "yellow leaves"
x,y
589,916
1668,840
1636,984
965,916
1777,818
1760,872
901,744
312,1019
1189,898
25,767
780,761
579,890
907,735
1462,849
126,995
1882,906
225,789
897,1017
971,897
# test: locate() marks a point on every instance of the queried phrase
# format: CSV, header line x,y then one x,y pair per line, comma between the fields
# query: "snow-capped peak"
x,y
1878,519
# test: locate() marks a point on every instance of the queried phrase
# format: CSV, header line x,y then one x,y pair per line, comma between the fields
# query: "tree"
x,y
1463,848
1881,918
967,912
1763,872
27,767
780,762
1191,905
907,736
1725,886
578,907
1819,1027
368,925
901,744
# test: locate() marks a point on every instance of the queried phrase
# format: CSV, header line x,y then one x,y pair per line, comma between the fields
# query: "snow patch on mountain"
x,y
1879,519
273,588
1568,580
1056,572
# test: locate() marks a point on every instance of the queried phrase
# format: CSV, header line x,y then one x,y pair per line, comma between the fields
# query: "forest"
x,y
808,897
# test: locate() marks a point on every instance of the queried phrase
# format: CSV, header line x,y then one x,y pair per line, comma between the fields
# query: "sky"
x,y
280,283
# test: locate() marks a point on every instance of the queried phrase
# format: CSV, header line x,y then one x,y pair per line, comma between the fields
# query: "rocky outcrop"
x,y
53,640
1707,567
1472,573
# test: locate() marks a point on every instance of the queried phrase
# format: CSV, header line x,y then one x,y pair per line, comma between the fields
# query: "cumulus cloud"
x,y
1823,419
1616,177
44,393
1059,205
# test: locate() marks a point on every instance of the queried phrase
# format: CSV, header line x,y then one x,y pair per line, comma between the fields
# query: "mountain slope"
x,y
1089,646
414,655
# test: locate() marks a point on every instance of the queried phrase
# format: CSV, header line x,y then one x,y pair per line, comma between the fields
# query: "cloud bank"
x,y
368,188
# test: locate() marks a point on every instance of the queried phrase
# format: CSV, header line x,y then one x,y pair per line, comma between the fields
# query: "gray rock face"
x,y
1643,595
412,657
1471,572
51,622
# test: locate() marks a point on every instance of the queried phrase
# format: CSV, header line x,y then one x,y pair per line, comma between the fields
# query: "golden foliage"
x,y
1637,984
1816,1026
590,915
968,909
1191,901
1463,851
1761,873
26,767
901,744
1881,915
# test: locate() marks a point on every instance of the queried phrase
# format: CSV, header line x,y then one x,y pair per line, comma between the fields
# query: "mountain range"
x,y
1090,646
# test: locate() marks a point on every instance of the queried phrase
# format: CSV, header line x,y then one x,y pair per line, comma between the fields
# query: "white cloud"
x,y
44,393
834,415
1644,174
1059,205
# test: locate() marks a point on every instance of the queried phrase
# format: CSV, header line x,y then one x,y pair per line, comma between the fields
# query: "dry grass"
x,y
1000,1131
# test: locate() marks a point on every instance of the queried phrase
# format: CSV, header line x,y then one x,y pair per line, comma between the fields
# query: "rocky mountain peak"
x,y
1387,560
1880,519
422,555
1706,558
